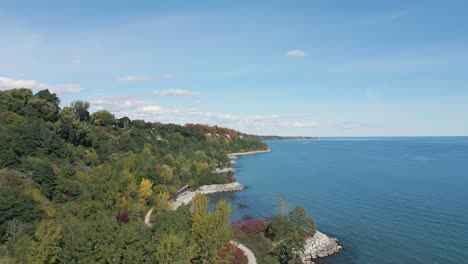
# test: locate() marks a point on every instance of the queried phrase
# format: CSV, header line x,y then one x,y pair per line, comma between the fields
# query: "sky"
x,y
297,68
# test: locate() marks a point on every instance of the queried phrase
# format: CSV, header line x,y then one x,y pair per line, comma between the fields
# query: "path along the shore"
x,y
187,197
247,252
318,246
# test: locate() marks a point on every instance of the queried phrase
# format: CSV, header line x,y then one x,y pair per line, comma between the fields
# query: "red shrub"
x,y
234,254
251,226
122,217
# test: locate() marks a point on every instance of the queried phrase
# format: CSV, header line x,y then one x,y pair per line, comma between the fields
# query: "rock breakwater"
x,y
186,197
319,246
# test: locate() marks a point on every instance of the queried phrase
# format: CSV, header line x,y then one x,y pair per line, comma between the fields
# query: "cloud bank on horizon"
x,y
358,69
7,83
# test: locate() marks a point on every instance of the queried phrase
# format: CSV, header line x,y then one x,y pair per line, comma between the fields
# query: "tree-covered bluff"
x,y
75,185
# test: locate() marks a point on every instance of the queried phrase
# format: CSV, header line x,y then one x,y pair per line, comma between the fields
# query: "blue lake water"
x,y
388,200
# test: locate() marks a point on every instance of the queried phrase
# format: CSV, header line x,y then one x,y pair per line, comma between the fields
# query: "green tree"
x,y
48,96
80,108
169,160
71,129
46,248
166,173
8,155
172,248
100,239
279,227
14,204
22,94
178,221
304,225
288,248
41,172
162,205
103,118
47,104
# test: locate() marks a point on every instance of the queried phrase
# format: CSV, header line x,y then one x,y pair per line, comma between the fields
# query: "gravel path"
x,y
247,252
187,197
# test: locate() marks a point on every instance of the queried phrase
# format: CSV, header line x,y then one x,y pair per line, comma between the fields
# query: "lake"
x,y
388,200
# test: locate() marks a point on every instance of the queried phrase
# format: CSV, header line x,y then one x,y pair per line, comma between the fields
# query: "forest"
x,y
75,187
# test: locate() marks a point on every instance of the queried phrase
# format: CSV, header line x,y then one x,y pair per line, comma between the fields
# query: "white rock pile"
x,y
214,188
186,197
319,246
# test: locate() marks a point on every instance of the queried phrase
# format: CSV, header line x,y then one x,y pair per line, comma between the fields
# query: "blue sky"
x,y
317,68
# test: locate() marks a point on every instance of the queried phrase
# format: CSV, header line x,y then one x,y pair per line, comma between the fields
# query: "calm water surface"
x,y
389,200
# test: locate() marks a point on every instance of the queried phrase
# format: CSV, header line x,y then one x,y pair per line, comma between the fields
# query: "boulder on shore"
x,y
319,246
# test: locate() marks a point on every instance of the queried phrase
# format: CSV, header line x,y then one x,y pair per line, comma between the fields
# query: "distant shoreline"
x,y
234,155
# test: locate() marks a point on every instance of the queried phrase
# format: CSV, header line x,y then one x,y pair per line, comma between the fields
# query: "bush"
x,y
279,227
41,172
251,226
232,254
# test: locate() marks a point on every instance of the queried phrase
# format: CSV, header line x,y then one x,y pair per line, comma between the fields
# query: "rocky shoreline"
x,y
319,246
187,197
235,155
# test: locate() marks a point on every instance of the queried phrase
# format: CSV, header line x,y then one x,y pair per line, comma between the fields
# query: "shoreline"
x,y
187,196
236,154
318,246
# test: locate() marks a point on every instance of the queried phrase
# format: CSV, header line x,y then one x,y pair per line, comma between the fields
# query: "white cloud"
x,y
266,117
150,111
168,76
175,92
7,83
133,78
295,53
76,61
298,124
60,89
153,109
118,104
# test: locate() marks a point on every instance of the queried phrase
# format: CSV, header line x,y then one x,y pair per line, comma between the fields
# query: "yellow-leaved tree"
x,y
46,247
210,231
145,190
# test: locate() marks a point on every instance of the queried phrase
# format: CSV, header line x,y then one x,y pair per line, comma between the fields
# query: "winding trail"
x,y
247,252
148,217
187,197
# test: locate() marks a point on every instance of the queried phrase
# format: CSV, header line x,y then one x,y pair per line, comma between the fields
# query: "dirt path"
x,y
148,217
187,198
247,252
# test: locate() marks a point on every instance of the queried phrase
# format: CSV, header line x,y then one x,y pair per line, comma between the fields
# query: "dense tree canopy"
x,y
75,186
